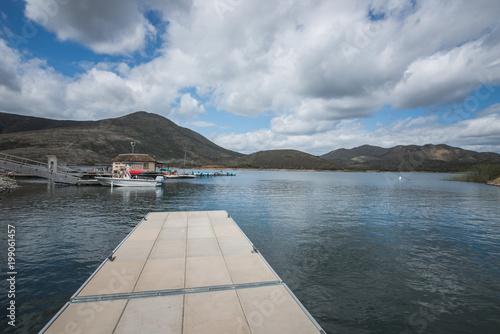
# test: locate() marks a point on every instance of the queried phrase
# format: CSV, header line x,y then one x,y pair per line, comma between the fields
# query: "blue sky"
x,y
256,75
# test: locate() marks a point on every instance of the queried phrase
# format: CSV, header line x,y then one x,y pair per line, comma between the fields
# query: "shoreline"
x,y
495,182
320,170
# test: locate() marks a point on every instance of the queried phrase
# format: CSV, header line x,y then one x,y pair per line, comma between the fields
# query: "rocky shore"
x,y
7,183
494,182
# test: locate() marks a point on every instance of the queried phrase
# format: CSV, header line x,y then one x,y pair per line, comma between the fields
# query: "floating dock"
x,y
184,273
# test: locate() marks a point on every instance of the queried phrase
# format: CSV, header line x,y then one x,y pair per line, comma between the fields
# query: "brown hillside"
x,y
100,141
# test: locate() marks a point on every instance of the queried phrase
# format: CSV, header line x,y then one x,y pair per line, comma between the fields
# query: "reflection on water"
x,y
364,252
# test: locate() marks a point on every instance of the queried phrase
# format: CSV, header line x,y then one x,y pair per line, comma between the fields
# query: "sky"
x,y
254,75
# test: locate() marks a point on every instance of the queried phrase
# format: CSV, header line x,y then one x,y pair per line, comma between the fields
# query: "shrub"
x,y
480,173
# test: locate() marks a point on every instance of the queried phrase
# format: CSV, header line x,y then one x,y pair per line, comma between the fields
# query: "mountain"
x,y
282,159
90,142
10,123
410,158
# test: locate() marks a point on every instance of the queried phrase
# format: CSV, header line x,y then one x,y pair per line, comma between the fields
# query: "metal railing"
x,y
35,164
21,161
37,168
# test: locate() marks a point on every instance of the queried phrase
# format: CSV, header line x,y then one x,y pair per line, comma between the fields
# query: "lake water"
x,y
364,252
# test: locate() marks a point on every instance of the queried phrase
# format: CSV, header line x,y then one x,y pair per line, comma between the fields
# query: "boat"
x,y
128,181
221,173
90,178
187,176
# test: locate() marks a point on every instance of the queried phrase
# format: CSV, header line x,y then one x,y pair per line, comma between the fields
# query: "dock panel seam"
x,y
172,292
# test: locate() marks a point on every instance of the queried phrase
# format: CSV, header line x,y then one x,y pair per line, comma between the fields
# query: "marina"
x,y
184,272
128,170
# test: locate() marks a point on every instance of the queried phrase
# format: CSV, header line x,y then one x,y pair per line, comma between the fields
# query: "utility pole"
x,y
185,151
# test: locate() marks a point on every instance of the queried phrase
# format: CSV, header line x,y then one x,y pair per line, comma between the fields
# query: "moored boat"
x,y
128,181
187,176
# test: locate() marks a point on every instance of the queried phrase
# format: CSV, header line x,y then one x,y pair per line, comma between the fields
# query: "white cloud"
x,y
442,78
189,106
291,125
482,134
263,139
493,109
410,122
30,86
202,124
318,67
99,91
110,27
9,62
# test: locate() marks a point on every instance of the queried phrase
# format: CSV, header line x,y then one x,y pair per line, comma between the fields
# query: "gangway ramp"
x,y
41,169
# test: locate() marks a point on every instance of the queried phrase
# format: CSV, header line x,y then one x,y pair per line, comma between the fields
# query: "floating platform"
x,y
184,273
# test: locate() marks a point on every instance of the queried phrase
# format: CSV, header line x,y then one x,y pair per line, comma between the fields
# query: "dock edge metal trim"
x,y
255,250
109,258
309,315
54,318
172,292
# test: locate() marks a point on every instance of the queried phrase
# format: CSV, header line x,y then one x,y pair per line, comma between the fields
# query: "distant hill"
x,y
90,142
408,158
10,123
282,159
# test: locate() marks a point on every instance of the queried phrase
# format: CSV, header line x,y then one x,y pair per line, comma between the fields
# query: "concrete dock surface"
x,y
184,273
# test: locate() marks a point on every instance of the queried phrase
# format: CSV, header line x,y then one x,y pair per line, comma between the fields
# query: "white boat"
x,y
187,176
128,181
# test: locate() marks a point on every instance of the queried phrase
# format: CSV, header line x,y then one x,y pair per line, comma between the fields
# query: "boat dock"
x,y
184,273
